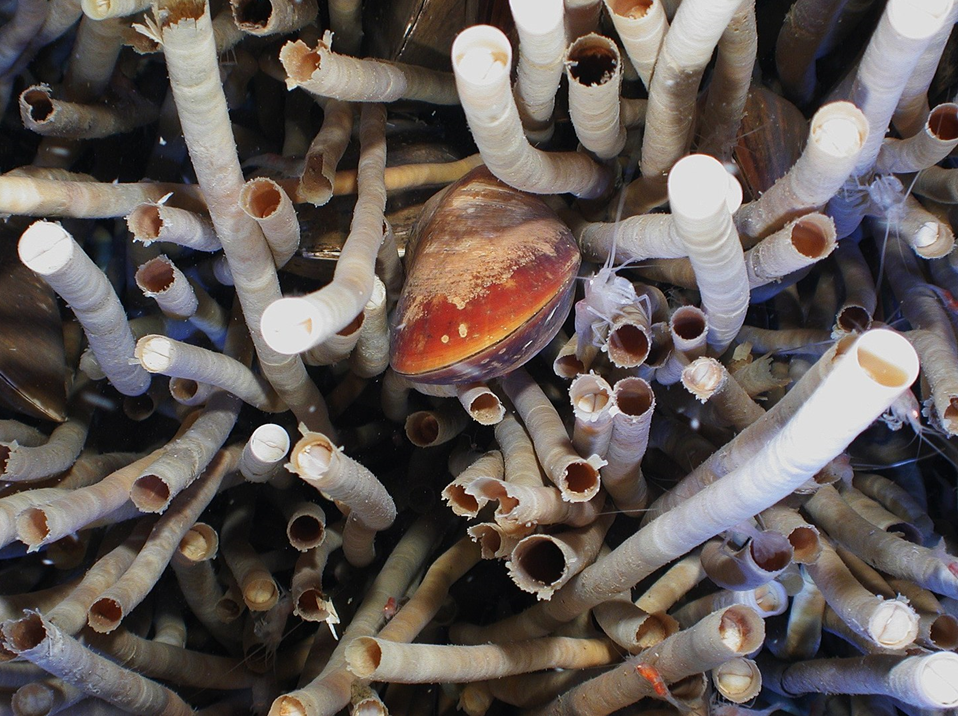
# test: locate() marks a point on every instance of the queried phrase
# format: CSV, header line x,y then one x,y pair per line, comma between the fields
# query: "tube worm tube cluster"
x,y
353,361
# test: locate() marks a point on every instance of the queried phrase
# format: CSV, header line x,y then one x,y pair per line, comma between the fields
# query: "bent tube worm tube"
x,y
160,279
158,222
56,118
937,138
482,60
542,46
268,205
871,373
324,153
593,68
282,17
641,25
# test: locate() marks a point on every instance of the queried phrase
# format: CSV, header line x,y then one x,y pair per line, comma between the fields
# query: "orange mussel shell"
x,y
489,283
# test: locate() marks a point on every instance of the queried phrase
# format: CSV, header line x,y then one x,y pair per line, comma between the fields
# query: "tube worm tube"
x,y
576,478
633,238
882,550
836,138
259,590
481,60
937,138
191,59
55,118
264,452
324,466
593,67
49,696
935,183
370,356
338,346
494,541
730,83
310,602
29,196
700,190
329,691
871,373
902,34
279,18
591,398
677,581
349,79
630,337
688,327
738,680
346,21
714,640
891,624
541,564
799,244
481,403
855,314
159,354
427,428
641,25
269,206
138,580
305,526
936,630
803,635
159,222
923,681
324,153
803,537
161,280
762,559
542,45
464,501
897,500
380,660
768,600
927,234
630,627
632,418
37,640
104,9
800,42
30,464
873,512
709,381
49,250
292,325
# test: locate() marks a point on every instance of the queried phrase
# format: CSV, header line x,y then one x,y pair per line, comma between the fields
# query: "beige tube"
x,y
310,602
49,250
191,59
804,538
709,381
55,118
937,138
622,476
161,280
803,635
926,233
540,564
324,153
542,45
700,191
482,60
159,354
576,478
738,680
721,636
480,403
896,499
350,79
592,405
264,452
338,346
688,328
763,558
836,138
258,587
346,20
279,18
873,512
103,9
871,373
630,627
37,640
269,206
641,25
799,244
380,660
51,695
324,466
292,325
633,238
518,453
370,356
159,222
769,600
428,428
30,464
462,495
805,31
593,68
677,581
494,542
935,183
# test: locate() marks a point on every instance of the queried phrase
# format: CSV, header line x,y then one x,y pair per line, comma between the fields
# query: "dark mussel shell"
x,y
490,280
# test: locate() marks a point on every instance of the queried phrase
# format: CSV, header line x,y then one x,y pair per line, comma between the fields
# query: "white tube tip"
x,y
291,325
46,247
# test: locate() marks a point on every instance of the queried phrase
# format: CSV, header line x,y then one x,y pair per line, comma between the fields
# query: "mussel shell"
x,y
489,282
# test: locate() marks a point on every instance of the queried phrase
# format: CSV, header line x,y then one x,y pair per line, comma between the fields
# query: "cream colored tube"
x,y
380,660
803,635
494,541
805,31
282,17
935,141
482,60
481,403
159,222
266,203
103,9
37,640
630,627
55,118
904,31
872,511
641,26
428,428
591,398
540,564
708,380
576,478
759,561
370,356
159,354
29,464
713,641
518,453
801,243
866,379
699,194
677,581
688,327
923,681
633,238
836,139
882,550
593,68
769,600
928,235
542,46
264,452
896,499
191,60
632,418
346,20
803,537
855,314
292,325
935,183
462,496
350,79
161,280
324,153
738,680
49,250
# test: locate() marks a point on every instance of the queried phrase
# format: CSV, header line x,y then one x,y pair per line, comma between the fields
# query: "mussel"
x,y
490,277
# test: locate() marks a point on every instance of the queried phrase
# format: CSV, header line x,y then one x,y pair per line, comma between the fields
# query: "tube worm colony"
x,y
675,339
